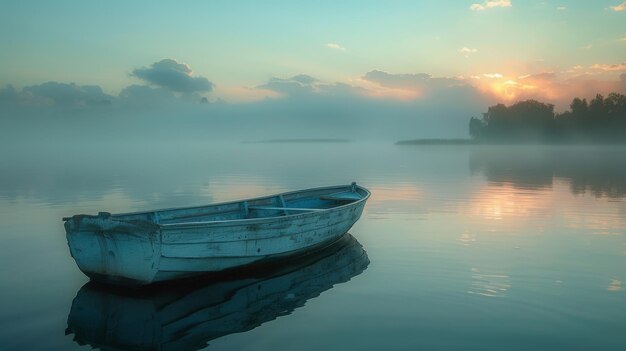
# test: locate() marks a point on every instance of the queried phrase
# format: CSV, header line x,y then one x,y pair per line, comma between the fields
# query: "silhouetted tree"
x,y
579,108
475,127
521,121
602,119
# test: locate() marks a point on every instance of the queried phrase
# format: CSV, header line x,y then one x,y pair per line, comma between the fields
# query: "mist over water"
x,y
465,243
346,117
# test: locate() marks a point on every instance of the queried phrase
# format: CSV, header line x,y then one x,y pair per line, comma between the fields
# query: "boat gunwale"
x,y
266,219
247,220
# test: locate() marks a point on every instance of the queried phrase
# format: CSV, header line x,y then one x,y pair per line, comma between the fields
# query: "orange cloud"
x,y
410,85
492,75
610,68
619,8
546,86
507,86
375,90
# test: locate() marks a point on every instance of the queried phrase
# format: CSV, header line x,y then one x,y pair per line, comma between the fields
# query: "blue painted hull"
x,y
157,246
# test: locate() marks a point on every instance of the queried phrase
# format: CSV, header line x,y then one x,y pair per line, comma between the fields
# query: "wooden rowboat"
x,y
156,246
188,316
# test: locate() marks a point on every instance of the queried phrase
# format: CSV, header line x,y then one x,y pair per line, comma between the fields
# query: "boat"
x,y
142,248
189,315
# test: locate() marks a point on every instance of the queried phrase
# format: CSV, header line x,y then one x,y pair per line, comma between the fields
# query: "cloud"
x,y
465,51
295,86
171,82
609,68
69,95
8,94
174,76
423,82
407,80
548,87
490,4
377,104
561,8
305,86
422,87
619,8
335,46
341,89
374,84
304,79
415,101
492,75
544,76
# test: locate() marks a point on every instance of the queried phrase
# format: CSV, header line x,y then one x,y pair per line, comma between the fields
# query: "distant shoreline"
x,y
438,142
303,140
494,142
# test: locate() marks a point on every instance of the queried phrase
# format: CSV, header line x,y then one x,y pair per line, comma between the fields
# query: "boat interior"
x,y
271,206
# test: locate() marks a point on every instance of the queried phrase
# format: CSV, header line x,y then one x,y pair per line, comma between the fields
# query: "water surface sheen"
x,y
473,248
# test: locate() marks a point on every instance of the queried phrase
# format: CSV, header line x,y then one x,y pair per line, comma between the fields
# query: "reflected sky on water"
x,y
507,247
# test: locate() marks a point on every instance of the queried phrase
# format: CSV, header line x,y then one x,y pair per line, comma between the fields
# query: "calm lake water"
x,y
473,248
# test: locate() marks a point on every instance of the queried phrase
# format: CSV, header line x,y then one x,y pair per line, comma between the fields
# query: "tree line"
x,y
599,120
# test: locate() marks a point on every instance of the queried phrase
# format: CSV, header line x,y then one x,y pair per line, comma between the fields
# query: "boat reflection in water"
x,y
187,317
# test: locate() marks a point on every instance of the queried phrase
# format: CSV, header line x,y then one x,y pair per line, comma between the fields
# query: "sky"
x,y
243,52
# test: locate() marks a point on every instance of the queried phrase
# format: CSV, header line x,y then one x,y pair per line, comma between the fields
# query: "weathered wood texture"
x,y
147,247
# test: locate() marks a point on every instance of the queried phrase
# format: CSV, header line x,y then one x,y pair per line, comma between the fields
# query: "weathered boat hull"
x,y
131,250
187,317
